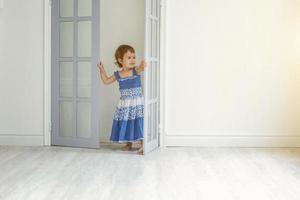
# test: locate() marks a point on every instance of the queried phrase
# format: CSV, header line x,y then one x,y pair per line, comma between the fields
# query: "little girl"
x,y
129,115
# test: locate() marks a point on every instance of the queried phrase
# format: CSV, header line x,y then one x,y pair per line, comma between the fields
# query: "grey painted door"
x,y
151,75
74,76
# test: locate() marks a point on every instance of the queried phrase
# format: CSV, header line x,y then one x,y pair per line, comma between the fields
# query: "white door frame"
x,y
47,73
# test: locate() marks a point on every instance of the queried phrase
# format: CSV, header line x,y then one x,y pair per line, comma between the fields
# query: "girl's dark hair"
x,y
121,50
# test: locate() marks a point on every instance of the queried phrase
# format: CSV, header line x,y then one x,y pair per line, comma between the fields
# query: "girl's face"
x,y
128,60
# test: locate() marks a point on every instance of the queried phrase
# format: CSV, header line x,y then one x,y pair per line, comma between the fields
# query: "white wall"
x,y
237,62
21,72
233,72
122,22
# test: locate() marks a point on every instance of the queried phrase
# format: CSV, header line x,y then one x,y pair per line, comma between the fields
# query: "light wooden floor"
x,y
55,173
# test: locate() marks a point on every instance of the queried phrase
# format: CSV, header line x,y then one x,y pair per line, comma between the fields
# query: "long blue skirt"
x,y
128,124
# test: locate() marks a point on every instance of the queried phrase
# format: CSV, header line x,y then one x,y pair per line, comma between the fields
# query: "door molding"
x,y
162,72
47,73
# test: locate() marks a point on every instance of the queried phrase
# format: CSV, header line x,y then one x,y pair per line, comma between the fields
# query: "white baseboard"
x,y
22,140
232,141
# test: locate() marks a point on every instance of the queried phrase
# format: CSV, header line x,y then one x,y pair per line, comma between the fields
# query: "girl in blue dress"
x,y
128,119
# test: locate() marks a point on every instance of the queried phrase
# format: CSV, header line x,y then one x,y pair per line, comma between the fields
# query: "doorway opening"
x,y
122,22
83,32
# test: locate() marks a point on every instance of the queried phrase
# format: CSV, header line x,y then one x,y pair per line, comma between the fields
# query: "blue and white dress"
x,y
128,119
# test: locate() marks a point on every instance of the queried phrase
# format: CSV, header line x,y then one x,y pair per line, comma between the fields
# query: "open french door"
x,y
151,75
74,77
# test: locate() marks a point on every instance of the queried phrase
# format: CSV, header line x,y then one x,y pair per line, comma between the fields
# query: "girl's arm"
x,y
141,68
105,79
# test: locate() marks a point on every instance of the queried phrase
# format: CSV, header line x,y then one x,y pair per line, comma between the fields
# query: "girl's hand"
x,y
143,64
104,77
101,67
141,68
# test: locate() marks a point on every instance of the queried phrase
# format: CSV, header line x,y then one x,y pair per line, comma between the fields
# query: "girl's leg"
x,y
127,147
141,149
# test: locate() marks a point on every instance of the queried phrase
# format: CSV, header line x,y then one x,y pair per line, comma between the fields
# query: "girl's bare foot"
x,y
140,151
127,147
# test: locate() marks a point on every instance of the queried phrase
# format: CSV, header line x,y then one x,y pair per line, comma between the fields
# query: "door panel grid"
x,y
75,24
